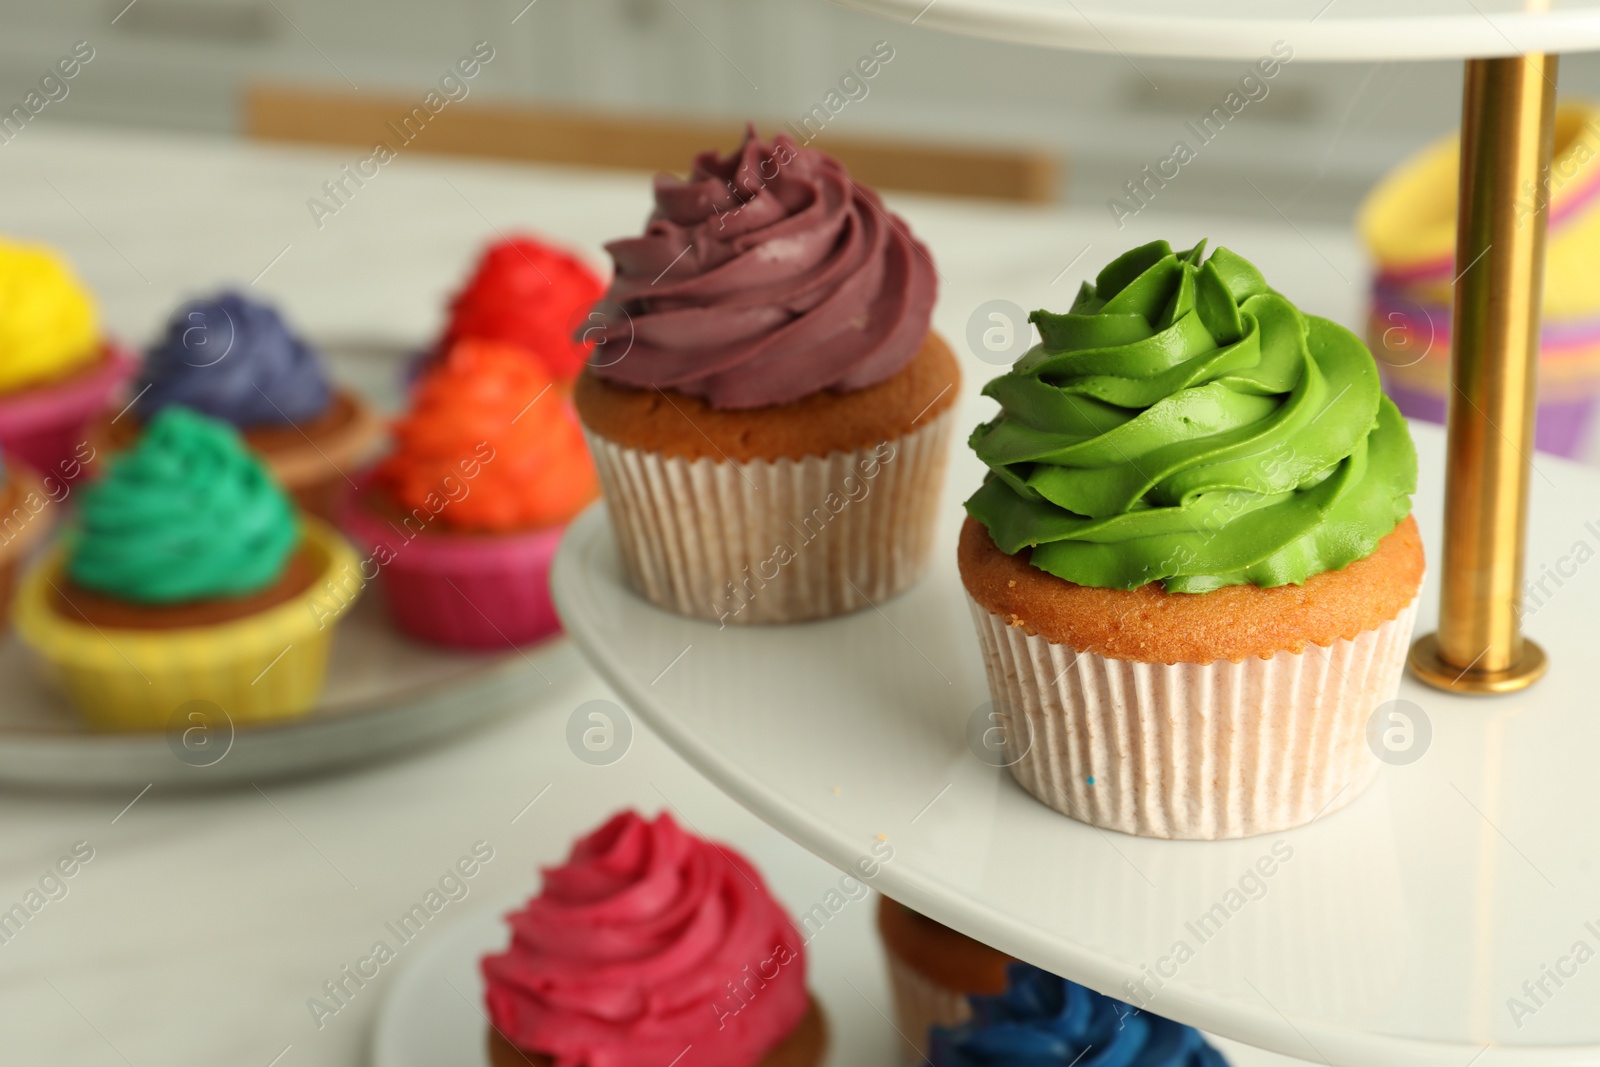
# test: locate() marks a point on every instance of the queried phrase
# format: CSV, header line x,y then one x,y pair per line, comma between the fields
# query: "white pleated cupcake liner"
x,y
773,541
1187,750
920,1003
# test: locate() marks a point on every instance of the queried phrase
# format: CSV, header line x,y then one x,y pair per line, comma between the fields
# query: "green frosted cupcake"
x,y
187,576
1192,563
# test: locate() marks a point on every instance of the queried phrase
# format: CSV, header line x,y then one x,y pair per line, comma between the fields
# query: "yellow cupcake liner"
x,y
263,667
1409,221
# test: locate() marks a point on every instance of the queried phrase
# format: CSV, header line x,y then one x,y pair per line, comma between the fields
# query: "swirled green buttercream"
x,y
1184,423
187,514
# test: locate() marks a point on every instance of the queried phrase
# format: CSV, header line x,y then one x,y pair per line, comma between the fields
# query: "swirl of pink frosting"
x,y
765,277
648,942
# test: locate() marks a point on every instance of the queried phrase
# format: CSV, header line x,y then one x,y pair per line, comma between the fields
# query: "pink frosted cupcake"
x,y
651,947
56,372
462,519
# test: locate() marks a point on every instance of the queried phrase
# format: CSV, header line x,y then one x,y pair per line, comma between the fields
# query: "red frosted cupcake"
x,y
532,295
651,947
463,517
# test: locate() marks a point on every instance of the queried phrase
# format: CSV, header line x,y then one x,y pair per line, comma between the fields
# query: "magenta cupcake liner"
x,y
480,591
1561,427
45,426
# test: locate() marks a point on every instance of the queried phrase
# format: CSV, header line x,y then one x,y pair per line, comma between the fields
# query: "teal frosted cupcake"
x,y
187,575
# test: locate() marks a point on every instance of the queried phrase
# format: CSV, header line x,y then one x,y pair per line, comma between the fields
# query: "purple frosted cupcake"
x,y
236,360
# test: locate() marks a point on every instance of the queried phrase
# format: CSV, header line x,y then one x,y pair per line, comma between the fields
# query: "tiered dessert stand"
x,y
1451,915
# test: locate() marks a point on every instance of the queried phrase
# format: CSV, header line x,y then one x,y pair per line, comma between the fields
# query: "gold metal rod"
x,y
1507,134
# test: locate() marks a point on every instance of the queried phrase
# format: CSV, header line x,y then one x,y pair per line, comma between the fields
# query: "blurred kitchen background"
x,y
1318,140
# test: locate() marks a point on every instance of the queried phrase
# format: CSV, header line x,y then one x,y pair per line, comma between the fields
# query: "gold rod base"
x,y
1507,137
1430,668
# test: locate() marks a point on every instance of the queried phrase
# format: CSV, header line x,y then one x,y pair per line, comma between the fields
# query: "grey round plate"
x,y
385,693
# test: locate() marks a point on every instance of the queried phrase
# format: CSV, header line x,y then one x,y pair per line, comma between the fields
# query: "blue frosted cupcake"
x,y
236,360
1045,1021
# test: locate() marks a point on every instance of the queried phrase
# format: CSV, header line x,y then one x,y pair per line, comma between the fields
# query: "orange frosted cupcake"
x,y
463,517
768,408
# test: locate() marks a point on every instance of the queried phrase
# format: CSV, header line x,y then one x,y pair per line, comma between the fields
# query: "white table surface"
x,y
204,922
1335,30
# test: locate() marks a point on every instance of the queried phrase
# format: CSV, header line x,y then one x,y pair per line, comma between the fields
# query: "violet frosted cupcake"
x,y
235,359
461,520
1192,565
651,947
767,406
56,371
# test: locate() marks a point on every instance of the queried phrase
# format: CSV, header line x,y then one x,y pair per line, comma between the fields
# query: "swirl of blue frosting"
x,y
1045,1021
235,360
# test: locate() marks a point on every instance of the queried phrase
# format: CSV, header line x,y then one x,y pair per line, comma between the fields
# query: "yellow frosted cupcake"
x,y
55,370
186,576
1409,225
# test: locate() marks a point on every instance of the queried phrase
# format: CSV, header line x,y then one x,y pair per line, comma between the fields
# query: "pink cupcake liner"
x,y
46,426
462,590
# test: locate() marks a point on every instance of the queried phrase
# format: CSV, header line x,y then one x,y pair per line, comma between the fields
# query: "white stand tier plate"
x,y
1395,932
1243,29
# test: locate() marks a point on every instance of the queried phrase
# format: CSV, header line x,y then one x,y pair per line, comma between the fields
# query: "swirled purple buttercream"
x,y
764,277
234,359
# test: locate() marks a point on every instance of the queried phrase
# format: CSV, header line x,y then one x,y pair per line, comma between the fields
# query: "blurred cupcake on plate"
x,y
647,947
767,406
24,520
463,516
186,575
237,360
1045,1021
933,970
1192,564
1409,226
527,293
56,371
